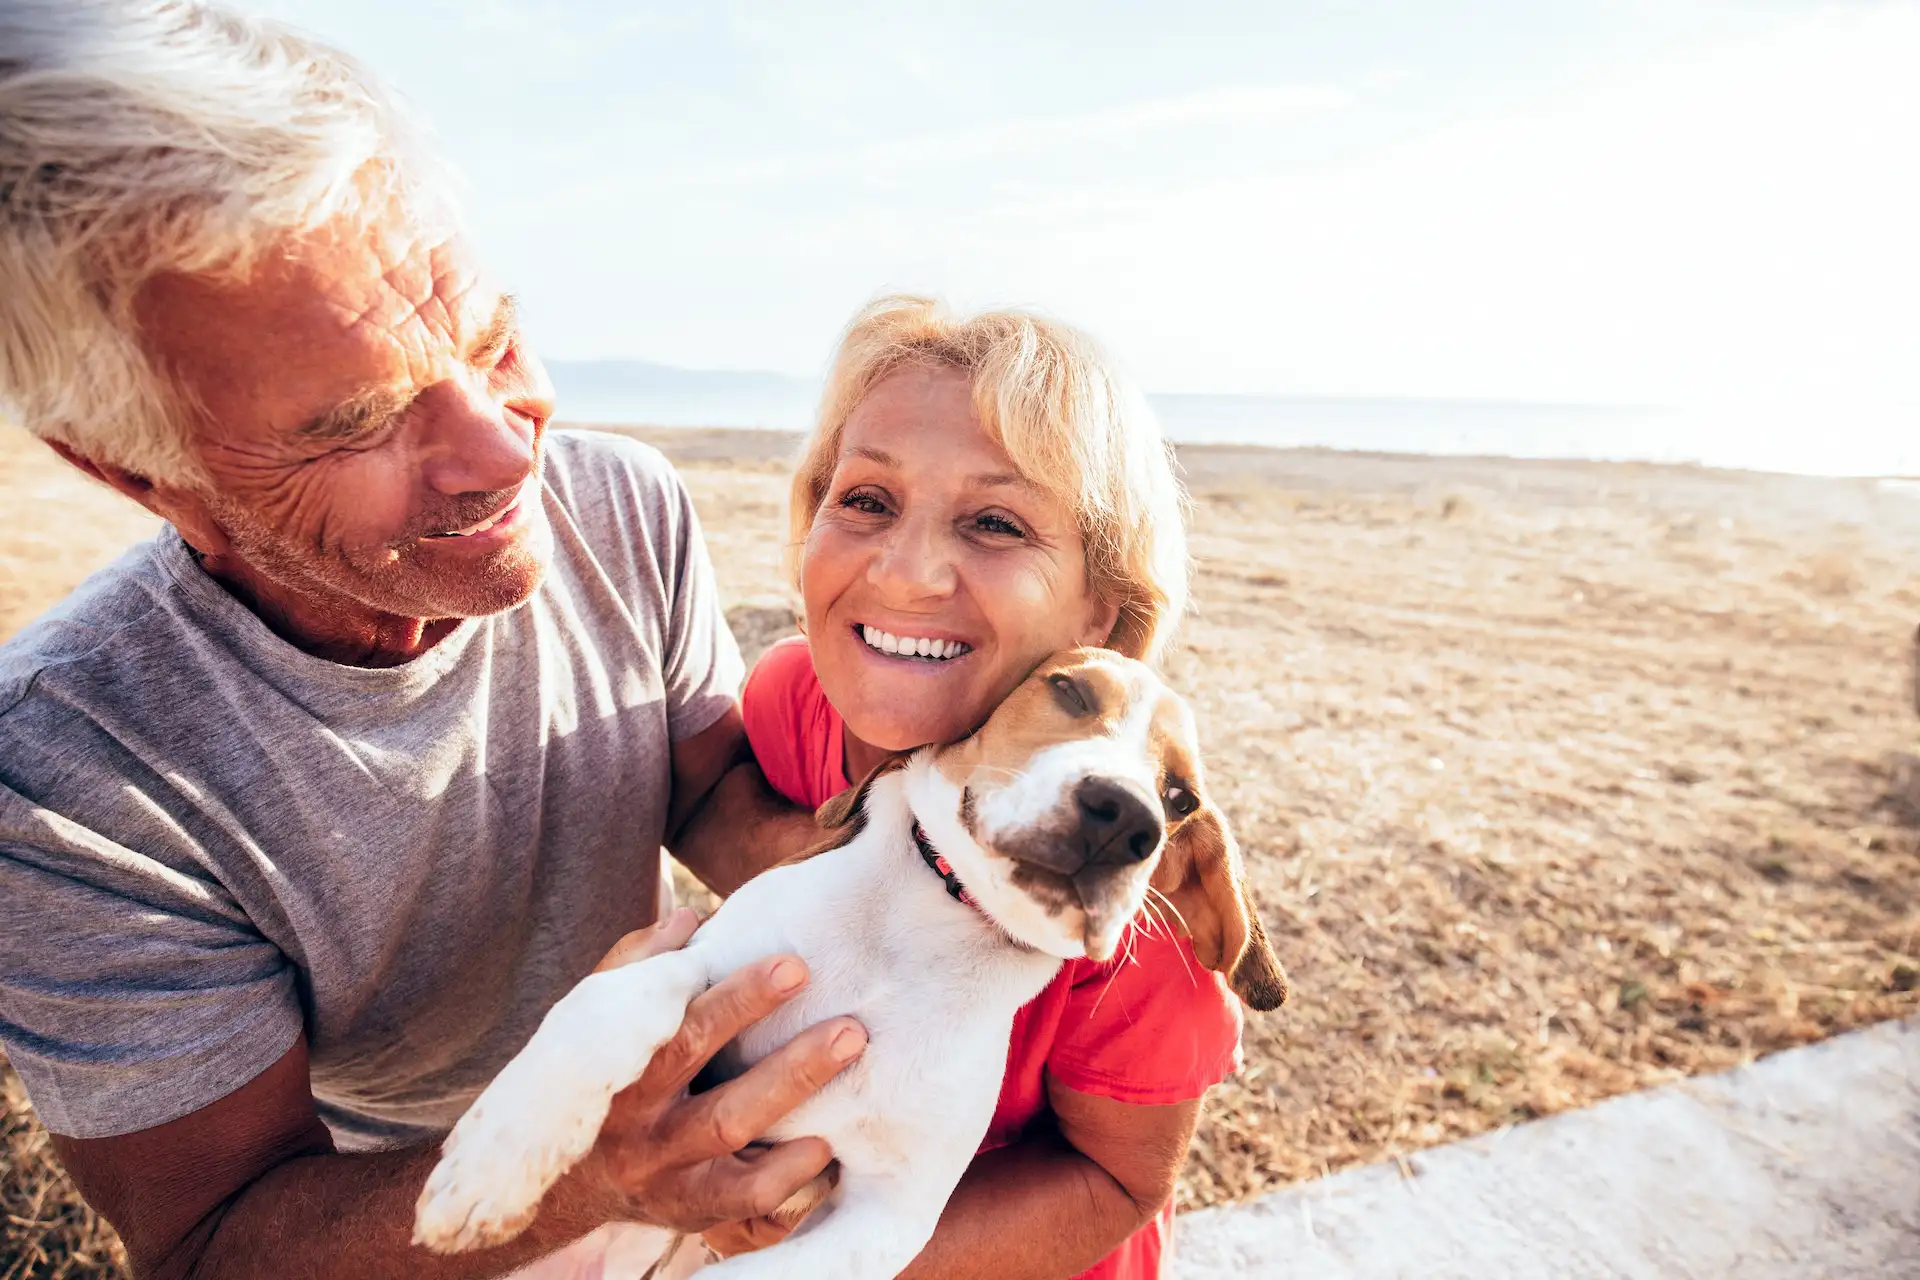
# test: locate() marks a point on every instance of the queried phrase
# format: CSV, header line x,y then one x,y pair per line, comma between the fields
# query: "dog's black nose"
x,y
1116,824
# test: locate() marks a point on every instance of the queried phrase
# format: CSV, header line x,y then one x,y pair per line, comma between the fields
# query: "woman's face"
x,y
935,576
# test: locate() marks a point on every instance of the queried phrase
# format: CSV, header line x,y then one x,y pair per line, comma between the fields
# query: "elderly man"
x,y
310,808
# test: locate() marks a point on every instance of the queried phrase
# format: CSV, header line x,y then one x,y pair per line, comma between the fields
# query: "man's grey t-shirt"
x,y
211,841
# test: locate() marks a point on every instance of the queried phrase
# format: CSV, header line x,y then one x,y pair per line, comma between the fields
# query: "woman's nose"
x,y
915,563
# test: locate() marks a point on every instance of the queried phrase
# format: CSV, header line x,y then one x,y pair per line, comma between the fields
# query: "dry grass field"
x,y
1555,780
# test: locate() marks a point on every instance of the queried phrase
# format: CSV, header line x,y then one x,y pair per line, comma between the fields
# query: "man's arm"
x,y
250,1186
726,825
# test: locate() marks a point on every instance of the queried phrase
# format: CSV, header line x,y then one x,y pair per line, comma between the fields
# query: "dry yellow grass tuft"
x,y
1555,780
49,1233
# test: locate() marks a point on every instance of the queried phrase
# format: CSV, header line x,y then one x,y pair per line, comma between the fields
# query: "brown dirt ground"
x,y
1555,780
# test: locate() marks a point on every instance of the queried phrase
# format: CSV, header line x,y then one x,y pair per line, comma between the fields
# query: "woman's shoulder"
x,y
784,673
790,723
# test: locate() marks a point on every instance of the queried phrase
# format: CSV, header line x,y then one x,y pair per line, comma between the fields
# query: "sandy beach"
x,y
1555,780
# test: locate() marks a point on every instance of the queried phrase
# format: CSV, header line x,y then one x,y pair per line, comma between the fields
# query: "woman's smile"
x,y
926,648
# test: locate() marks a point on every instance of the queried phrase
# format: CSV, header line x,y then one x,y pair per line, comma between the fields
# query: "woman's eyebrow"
x,y
985,480
1000,480
871,454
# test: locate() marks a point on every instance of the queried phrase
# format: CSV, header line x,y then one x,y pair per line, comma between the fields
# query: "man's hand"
x,y
675,1160
751,1234
253,1176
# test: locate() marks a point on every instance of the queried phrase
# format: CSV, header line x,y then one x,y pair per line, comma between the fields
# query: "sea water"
x,y
1865,441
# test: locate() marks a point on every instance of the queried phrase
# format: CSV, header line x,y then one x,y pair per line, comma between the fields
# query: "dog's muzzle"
x,y
1109,825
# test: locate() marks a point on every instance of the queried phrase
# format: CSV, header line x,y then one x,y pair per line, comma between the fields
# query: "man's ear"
x,y
178,507
1201,873
119,479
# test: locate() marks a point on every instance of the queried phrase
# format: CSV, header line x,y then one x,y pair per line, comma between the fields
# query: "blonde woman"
x,y
980,491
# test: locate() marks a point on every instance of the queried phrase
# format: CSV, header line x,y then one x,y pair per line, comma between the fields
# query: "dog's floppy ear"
x,y
844,817
847,807
1200,871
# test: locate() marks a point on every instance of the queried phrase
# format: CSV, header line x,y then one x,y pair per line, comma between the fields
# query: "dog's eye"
x,y
1070,695
1181,800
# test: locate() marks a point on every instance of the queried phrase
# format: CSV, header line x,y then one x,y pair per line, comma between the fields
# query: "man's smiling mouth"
x,y
911,646
472,529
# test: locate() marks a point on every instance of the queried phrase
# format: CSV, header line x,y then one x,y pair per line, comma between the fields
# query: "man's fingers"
x,y
730,1238
744,1189
662,936
727,1118
734,1003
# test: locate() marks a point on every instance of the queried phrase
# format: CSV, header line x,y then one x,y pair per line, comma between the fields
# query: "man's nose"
x,y
474,444
1117,826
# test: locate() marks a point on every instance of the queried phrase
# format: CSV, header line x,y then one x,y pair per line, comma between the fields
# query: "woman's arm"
x,y
1051,1206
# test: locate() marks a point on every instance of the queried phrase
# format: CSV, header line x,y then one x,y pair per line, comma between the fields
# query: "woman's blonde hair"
x,y
1066,417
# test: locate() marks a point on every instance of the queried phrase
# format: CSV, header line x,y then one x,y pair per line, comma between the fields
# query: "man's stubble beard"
x,y
396,586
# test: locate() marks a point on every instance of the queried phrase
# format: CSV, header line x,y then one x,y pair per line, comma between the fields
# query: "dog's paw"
x,y
488,1185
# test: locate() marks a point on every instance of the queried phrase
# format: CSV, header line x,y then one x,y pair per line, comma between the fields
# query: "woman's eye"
x,y
1181,800
864,502
1001,525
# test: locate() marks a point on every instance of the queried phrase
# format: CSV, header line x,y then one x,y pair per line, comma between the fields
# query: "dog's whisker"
x,y
1167,902
1156,919
1163,900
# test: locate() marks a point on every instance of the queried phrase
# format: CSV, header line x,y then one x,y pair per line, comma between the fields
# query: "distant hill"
x,y
635,391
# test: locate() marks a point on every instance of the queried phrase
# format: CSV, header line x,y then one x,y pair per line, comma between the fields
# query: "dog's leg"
x,y
870,1228
544,1111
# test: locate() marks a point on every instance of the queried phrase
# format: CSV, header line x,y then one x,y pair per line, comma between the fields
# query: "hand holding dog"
x,y
674,1160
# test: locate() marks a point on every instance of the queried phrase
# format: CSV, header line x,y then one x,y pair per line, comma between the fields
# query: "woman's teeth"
x,y
912,646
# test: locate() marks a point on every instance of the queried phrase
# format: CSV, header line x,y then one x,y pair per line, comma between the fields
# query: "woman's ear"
x,y
1201,874
1105,616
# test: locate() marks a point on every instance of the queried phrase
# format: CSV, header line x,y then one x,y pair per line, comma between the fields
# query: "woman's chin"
x,y
898,729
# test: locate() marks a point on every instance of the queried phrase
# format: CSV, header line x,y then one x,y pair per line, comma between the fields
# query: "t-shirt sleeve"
x,y
779,726
130,994
700,662
1152,1029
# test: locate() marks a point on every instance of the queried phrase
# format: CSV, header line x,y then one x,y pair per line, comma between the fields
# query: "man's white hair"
x,y
146,136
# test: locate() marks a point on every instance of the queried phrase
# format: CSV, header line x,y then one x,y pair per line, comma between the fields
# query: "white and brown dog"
x,y
1080,797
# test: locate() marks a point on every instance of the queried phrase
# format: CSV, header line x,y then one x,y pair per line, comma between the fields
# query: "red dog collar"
x,y
932,858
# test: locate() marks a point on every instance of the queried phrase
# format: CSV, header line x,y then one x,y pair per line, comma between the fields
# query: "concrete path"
x,y
1805,1164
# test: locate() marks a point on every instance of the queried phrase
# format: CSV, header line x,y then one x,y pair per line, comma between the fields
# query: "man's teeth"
x,y
482,527
912,646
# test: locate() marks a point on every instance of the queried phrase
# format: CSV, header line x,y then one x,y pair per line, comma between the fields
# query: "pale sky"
x,y
1637,201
